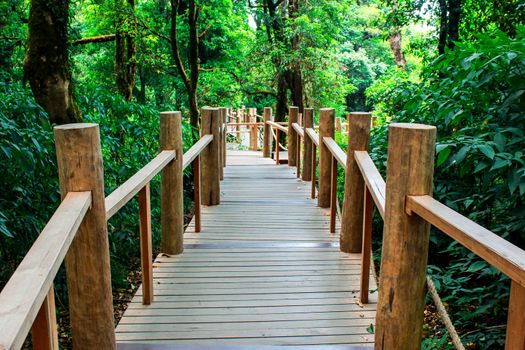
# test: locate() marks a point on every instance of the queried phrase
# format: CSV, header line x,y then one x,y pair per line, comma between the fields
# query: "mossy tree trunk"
x,y
46,64
190,80
125,48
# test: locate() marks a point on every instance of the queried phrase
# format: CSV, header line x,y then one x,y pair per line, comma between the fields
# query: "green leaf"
x,y
499,163
514,180
476,266
487,150
443,156
370,328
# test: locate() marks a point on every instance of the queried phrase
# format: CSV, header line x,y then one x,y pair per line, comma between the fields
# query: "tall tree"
x,y
47,64
190,80
449,22
125,47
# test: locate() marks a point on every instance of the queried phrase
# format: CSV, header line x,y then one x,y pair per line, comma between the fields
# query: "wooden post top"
x,y
360,113
75,126
413,126
326,109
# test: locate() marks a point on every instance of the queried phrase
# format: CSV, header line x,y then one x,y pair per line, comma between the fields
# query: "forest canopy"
x,y
456,64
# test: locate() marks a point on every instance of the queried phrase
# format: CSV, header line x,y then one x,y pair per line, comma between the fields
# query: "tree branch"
x,y
175,45
95,39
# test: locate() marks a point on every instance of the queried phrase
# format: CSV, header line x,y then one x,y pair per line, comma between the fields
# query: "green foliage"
x,y
474,95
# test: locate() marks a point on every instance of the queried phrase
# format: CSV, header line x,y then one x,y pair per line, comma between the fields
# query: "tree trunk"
x,y
443,26
125,49
454,17
46,64
395,45
281,106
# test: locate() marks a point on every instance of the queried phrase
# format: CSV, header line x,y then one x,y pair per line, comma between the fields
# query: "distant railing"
x,y
406,205
77,232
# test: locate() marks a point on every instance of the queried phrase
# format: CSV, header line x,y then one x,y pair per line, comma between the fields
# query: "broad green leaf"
x,y
487,151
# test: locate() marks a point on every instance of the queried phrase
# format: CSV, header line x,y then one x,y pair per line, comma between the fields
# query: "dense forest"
x,y
456,64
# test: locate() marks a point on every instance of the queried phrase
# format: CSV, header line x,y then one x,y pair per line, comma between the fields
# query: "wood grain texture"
x,y
37,270
373,180
263,270
326,129
515,339
171,196
123,194
293,115
44,332
80,168
267,133
497,251
308,122
277,126
196,150
352,211
410,170
146,249
313,136
210,173
336,151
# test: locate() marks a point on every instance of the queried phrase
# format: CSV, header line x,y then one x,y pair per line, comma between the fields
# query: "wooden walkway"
x,y
264,271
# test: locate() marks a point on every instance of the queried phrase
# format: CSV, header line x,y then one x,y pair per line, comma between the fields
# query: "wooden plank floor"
x,y
264,271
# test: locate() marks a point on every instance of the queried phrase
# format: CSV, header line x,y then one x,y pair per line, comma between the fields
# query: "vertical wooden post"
x,y
267,133
238,128
352,214
293,113
338,126
80,168
44,330
515,339
253,129
298,156
308,122
326,129
146,251
221,144
367,247
314,166
410,170
211,187
277,146
333,195
197,192
224,113
171,194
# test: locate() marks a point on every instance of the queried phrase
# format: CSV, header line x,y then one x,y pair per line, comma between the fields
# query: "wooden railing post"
x,y
308,122
253,128
224,114
352,214
326,129
146,249
293,113
410,170
80,168
221,144
515,339
267,133
44,331
210,187
171,193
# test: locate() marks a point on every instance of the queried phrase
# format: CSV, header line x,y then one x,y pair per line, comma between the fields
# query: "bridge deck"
x,y
264,271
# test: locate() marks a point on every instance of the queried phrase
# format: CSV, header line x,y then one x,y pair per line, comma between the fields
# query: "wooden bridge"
x,y
267,261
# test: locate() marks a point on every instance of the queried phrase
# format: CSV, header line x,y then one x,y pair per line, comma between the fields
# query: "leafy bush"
x,y
474,95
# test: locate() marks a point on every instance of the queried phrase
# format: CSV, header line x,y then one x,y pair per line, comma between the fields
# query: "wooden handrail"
x,y
122,194
27,288
373,180
313,136
494,249
336,151
298,129
259,124
195,150
277,126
